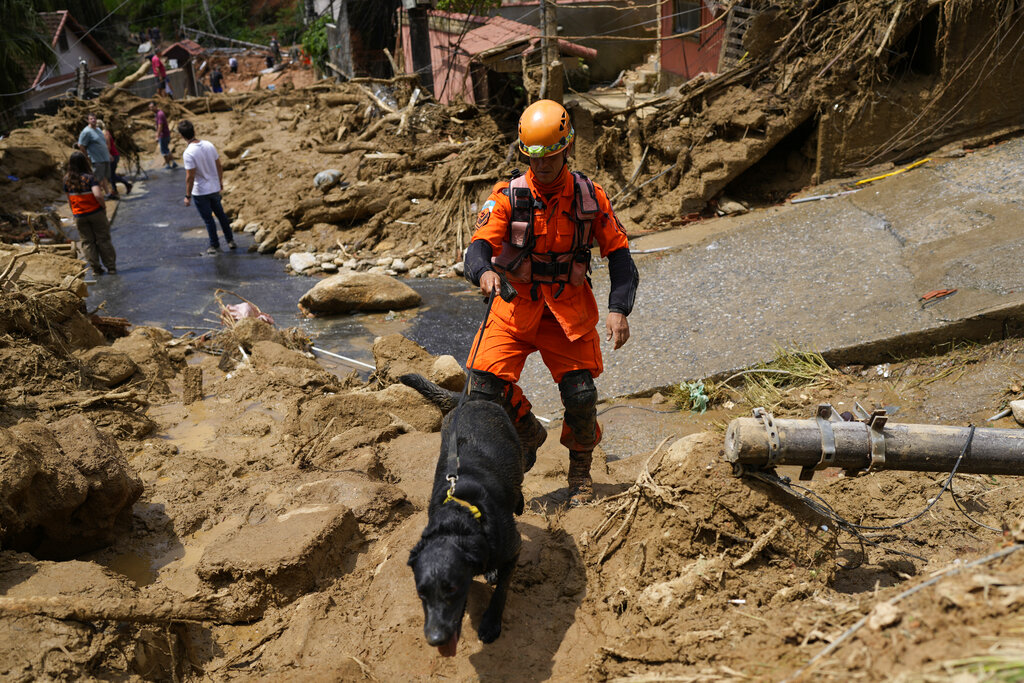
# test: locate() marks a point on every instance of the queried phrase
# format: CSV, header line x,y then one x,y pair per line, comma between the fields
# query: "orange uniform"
x,y
557,319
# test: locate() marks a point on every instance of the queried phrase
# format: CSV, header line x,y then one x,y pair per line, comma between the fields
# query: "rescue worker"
x,y
537,231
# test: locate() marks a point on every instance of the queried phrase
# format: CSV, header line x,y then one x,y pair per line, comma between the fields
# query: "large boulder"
x,y
350,291
64,489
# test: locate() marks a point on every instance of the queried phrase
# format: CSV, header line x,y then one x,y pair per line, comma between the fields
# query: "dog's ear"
x,y
414,553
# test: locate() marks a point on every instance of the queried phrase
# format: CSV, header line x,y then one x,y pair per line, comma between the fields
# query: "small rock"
x,y
325,180
658,398
398,265
384,261
237,224
413,261
302,261
251,228
1018,411
377,270
329,267
422,271
351,264
884,615
459,268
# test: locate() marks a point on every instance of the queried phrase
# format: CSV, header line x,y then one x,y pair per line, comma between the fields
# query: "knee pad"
x,y
488,386
578,391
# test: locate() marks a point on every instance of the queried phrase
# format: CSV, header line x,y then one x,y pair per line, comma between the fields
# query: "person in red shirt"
x,y
537,231
160,73
85,196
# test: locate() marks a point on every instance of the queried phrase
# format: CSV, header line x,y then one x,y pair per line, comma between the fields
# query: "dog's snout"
x,y
436,636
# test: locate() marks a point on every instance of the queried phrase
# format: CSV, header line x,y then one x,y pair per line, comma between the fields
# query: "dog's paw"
x,y
492,577
490,628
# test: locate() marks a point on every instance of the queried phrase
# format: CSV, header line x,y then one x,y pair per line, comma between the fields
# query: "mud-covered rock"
x,y
282,557
64,489
394,355
108,366
145,346
351,291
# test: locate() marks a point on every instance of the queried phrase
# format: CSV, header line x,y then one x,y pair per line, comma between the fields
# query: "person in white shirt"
x,y
204,178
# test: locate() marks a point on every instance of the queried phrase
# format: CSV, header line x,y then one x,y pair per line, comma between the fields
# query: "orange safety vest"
x,y
557,229
518,260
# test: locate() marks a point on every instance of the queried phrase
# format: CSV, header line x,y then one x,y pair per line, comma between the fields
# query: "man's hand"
x,y
188,201
617,325
489,282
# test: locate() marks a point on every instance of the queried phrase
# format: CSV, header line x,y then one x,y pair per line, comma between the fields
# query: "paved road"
x,y
844,272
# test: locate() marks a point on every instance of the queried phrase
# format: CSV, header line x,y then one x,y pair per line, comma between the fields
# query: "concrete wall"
x,y
61,76
579,19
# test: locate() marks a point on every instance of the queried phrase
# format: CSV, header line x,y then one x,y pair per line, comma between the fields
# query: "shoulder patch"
x,y
489,205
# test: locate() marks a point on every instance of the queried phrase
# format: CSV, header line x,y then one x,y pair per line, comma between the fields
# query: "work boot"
x,y
581,486
531,435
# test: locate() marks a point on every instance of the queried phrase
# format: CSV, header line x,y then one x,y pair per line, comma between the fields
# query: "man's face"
x,y
546,169
91,120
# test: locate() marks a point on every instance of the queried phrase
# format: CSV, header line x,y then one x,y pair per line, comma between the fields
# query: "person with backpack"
x,y
537,231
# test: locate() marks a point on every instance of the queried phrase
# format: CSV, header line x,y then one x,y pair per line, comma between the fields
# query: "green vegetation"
x,y
22,42
314,42
763,385
468,6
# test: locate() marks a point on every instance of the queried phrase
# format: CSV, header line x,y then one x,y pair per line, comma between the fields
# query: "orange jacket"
x,y
575,308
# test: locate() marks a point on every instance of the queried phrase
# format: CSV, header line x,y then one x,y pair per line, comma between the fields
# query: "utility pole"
x,y
552,71
419,42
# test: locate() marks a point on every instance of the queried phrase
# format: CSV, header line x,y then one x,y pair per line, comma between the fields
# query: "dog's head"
x,y
444,568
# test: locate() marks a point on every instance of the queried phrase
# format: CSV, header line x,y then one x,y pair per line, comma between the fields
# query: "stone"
x,y
192,381
73,488
251,228
329,267
108,366
1017,407
459,268
282,557
398,266
445,371
302,261
395,355
422,271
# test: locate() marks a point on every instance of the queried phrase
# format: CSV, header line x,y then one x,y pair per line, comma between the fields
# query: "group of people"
x,y
535,231
91,178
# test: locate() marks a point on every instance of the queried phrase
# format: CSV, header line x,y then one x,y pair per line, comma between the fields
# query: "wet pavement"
x,y
165,279
840,274
843,274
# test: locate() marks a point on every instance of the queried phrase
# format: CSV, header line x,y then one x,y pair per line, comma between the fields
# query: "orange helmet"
x,y
544,129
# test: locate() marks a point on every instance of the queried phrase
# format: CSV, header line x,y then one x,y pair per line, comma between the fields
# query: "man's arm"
x,y
190,179
625,279
220,173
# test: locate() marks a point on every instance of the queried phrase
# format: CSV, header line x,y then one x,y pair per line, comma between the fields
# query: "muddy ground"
x,y
262,531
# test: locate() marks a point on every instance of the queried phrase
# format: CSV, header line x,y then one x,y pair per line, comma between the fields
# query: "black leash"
x,y
507,293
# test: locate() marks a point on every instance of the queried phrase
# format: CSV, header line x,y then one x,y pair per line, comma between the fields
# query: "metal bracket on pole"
x,y
825,416
774,444
875,425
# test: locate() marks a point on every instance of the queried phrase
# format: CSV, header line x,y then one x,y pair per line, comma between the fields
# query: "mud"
x,y
270,533
276,512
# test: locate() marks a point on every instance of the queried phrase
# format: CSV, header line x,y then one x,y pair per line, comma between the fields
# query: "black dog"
x,y
472,530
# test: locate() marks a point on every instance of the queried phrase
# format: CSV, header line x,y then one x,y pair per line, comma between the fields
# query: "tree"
x,y
23,47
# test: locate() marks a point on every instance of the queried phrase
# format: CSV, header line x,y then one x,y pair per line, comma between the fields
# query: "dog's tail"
x,y
443,398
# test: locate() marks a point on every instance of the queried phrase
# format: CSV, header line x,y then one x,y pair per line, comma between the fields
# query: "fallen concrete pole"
x,y
872,444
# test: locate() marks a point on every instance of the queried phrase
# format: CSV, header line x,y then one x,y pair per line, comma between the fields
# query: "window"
x,y
686,16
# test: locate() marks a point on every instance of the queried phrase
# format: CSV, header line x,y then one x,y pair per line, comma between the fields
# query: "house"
x,y
693,38
474,58
594,23
72,45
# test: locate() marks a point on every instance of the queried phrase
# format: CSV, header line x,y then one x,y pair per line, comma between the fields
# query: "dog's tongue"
x,y
448,649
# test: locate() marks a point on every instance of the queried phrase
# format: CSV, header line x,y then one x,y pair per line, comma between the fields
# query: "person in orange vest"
x,y
538,230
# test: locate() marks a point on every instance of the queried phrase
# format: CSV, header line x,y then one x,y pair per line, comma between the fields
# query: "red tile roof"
x,y
499,32
189,46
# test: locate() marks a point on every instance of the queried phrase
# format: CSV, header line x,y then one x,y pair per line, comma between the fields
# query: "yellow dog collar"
x,y
466,504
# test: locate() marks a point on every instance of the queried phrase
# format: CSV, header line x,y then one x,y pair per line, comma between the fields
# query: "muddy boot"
x,y
581,486
531,435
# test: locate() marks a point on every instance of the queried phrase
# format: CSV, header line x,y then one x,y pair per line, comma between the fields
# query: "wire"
x,y
650,410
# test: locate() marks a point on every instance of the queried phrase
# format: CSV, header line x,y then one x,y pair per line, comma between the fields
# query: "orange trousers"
x,y
503,352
